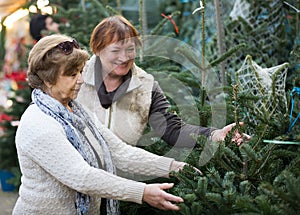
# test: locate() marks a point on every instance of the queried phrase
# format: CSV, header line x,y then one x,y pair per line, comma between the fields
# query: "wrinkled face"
x,y
51,25
66,88
117,58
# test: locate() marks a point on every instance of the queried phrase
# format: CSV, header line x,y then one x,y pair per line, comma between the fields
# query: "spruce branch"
x,y
248,151
214,174
97,4
227,54
111,10
202,185
259,141
265,159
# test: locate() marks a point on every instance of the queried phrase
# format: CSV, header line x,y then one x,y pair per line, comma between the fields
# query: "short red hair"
x,y
113,29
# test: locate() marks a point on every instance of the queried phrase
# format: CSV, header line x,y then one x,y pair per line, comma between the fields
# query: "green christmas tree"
x,y
256,178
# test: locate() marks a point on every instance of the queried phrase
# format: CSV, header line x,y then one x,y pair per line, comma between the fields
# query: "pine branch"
x,y
248,151
227,54
112,11
265,159
99,6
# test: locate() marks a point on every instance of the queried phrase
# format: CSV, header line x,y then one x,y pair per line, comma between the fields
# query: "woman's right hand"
x,y
155,196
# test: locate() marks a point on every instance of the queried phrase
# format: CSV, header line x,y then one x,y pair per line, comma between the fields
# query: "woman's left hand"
x,y
220,134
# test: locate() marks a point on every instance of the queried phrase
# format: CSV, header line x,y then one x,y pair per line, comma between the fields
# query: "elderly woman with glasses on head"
x,y
68,162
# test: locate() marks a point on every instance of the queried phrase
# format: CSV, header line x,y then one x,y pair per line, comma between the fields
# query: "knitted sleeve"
x,y
135,160
41,139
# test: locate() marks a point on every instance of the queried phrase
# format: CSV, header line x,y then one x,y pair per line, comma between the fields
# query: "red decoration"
x,y
4,117
18,76
173,22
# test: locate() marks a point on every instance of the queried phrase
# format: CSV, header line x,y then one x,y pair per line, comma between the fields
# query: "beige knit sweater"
x,y
53,170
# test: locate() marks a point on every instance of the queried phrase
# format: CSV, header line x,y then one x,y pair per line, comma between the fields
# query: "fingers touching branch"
x,y
220,134
155,196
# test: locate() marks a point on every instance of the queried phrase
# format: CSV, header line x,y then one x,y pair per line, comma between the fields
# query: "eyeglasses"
x,y
67,47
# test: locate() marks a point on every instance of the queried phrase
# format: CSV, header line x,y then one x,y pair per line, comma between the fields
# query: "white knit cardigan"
x,y
53,170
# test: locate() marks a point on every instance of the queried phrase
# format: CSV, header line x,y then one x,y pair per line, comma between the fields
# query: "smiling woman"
x,y
117,59
125,98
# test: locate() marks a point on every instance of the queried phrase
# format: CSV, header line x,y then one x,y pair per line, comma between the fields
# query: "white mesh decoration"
x,y
268,84
260,25
240,8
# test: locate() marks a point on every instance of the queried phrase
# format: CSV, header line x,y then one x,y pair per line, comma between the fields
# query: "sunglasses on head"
x,y
67,47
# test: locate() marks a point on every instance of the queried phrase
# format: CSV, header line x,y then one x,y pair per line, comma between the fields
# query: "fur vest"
x,y
128,116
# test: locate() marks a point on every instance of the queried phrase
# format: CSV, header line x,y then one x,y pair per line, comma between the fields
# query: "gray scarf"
x,y
74,125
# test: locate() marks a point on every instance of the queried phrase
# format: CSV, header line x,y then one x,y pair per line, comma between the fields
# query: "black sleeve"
x,y
168,125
